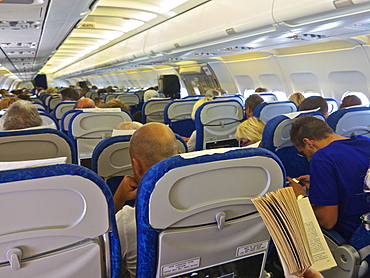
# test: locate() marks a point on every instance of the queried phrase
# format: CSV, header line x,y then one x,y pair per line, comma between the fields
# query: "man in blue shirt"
x,y
338,166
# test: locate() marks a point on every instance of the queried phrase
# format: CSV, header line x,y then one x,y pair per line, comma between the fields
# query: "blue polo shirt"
x,y
337,178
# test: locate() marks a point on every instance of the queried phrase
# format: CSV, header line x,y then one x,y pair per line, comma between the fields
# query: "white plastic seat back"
x,y
39,105
153,110
63,107
269,97
238,98
129,99
332,105
180,109
31,144
353,121
111,157
198,221
89,126
268,110
60,227
216,123
53,101
48,121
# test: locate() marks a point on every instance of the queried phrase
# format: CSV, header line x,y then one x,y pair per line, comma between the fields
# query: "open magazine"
x,y
295,231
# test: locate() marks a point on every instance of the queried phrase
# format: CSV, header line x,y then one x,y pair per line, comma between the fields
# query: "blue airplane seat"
x,y
177,115
61,108
36,143
87,127
351,121
216,123
265,111
153,110
332,105
268,97
194,212
65,226
276,138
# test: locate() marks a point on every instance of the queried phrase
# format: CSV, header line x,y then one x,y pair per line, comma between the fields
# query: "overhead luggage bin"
x,y
337,14
181,31
135,47
152,41
222,19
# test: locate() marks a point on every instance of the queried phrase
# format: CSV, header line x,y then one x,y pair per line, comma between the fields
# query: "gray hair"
x,y
21,114
149,94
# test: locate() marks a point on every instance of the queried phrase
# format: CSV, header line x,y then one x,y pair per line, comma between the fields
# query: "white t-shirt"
x,y
126,225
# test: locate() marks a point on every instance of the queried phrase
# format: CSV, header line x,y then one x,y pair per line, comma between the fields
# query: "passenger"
x,y
116,103
349,101
101,91
98,101
84,91
222,91
84,103
297,98
6,102
148,95
21,114
251,103
212,93
338,166
192,140
261,90
149,144
250,132
314,102
24,96
128,126
52,91
4,92
69,94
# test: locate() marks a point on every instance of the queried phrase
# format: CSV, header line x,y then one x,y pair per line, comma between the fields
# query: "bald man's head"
x,y
85,103
152,143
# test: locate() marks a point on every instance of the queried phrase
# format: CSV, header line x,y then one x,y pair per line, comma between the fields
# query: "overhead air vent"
x,y
19,25
235,48
306,37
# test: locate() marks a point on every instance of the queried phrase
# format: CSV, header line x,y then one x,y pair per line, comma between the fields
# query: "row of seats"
x,y
74,234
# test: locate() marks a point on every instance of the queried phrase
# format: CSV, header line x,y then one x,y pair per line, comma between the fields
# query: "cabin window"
x,y
310,93
360,95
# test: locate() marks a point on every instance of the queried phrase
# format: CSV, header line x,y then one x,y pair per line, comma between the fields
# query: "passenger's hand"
x,y
305,179
311,273
298,189
126,191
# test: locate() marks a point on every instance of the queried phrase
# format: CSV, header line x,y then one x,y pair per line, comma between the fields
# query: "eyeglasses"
x,y
301,154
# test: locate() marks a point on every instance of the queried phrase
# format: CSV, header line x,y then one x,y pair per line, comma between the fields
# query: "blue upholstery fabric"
x,y
147,236
183,127
69,169
333,118
44,130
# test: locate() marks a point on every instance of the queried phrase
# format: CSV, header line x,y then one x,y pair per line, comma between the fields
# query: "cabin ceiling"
x,y
113,21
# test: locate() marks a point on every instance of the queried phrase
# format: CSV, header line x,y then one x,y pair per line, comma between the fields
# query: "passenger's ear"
x,y
138,168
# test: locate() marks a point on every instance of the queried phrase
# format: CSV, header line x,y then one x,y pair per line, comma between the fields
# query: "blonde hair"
x,y
128,126
297,98
52,91
199,103
251,129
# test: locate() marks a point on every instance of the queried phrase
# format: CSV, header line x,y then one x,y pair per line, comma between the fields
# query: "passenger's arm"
x,y
126,191
327,216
